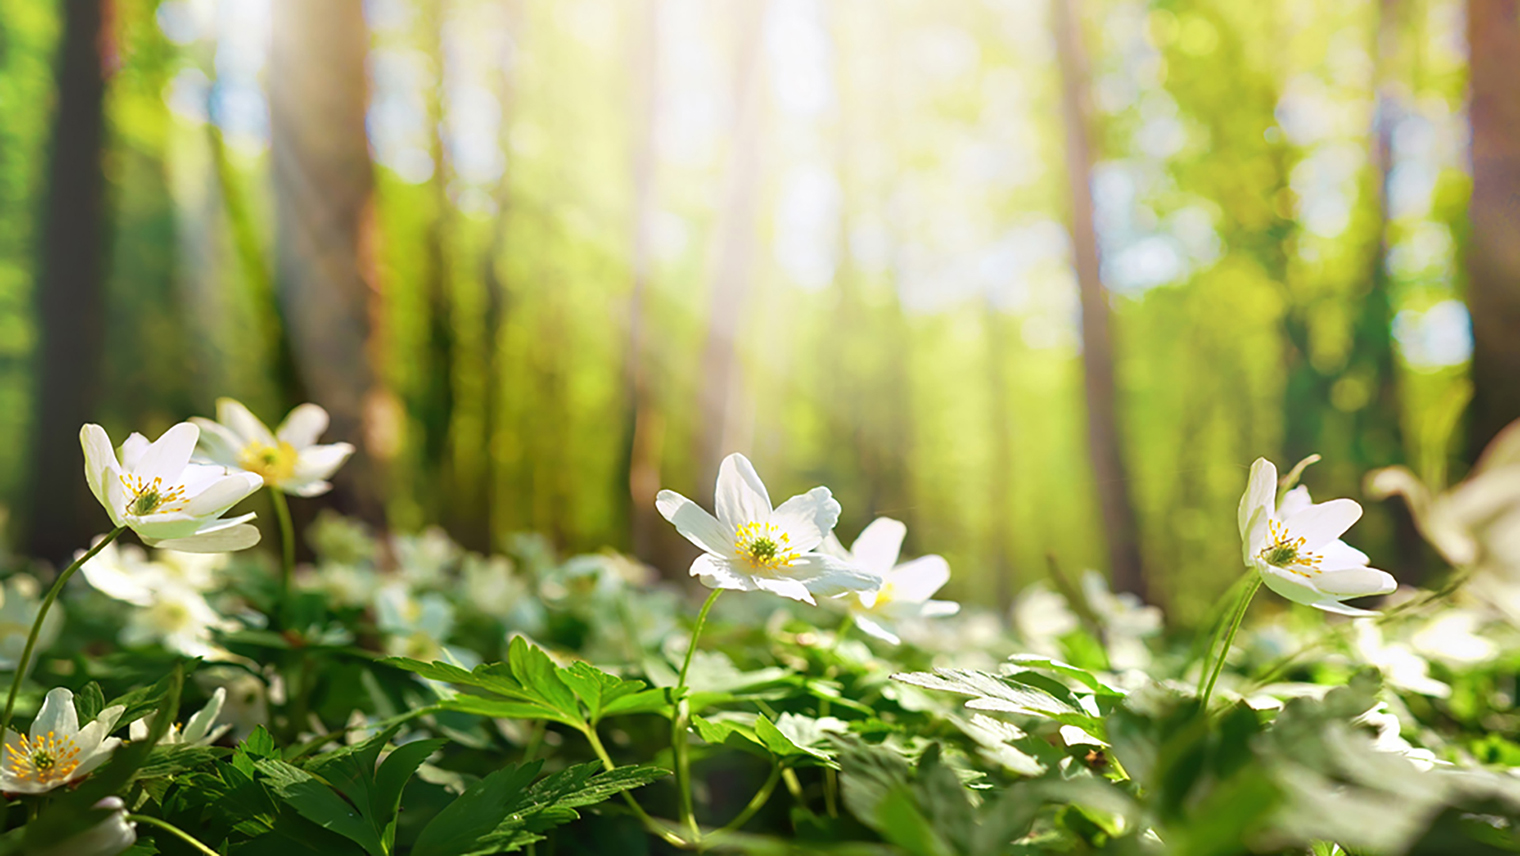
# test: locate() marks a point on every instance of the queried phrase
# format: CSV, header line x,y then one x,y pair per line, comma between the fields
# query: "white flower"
x,y
415,627
1478,521
124,572
201,730
1452,638
155,491
344,585
289,459
17,614
171,610
906,589
1127,622
751,546
1402,668
57,751
1390,739
1297,548
109,837
181,620
1041,617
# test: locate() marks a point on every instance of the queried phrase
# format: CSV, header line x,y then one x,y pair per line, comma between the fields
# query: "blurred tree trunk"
x,y
732,261
325,221
645,430
1493,251
1105,445
70,296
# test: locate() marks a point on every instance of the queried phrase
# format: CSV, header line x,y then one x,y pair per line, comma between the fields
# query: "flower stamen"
x,y
1288,553
47,760
275,463
150,497
764,545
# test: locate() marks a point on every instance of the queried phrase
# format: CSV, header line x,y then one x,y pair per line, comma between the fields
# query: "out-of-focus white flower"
x,y
106,838
1476,523
18,611
491,586
57,751
1041,616
1451,637
1402,668
905,590
1390,739
201,730
415,627
425,559
288,459
155,491
181,620
1127,622
342,584
751,546
246,704
1297,548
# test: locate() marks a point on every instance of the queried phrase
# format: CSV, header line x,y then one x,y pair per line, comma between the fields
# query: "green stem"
x,y
47,603
287,550
681,724
1219,616
756,803
650,823
1229,639
173,830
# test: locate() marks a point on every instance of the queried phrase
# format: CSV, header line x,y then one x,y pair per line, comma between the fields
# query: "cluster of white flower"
x,y
790,550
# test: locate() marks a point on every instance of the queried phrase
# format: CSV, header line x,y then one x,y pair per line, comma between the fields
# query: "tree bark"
x,y
70,300
324,188
1493,250
734,254
1104,442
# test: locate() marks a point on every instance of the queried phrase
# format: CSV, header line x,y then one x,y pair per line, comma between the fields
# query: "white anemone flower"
x,y
1297,548
752,546
289,458
906,589
201,730
109,837
18,612
415,627
171,607
154,490
1402,668
57,751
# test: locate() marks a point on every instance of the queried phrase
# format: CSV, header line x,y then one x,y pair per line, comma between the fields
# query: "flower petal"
x,y
1294,501
827,576
223,540
166,457
1261,493
1290,586
57,715
1323,522
879,544
303,426
234,415
1355,582
316,463
132,450
786,587
916,581
99,460
939,609
871,627
807,518
1335,606
719,573
200,724
694,523
1338,555
223,493
741,497
218,445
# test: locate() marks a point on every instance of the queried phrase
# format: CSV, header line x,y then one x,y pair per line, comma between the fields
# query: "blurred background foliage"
x,y
543,257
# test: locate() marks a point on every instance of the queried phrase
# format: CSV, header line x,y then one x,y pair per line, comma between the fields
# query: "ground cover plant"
x,y
201,693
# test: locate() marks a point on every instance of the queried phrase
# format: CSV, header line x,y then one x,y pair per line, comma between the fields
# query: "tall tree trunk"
x,y
1493,251
734,256
1103,437
70,296
645,431
324,188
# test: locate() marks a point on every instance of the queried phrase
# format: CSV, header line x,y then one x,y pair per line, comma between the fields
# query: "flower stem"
x,y
287,550
756,803
650,823
172,830
1229,638
42,611
682,723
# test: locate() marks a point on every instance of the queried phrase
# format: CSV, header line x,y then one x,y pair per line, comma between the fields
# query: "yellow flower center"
x,y
274,464
1288,553
150,497
764,545
47,760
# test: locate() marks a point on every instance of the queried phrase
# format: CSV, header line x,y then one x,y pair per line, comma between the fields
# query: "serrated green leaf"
x,y
527,686
605,694
464,823
994,692
89,701
319,803
260,744
1093,682
391,779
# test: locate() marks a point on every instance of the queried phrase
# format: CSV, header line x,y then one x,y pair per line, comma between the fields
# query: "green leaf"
x,y
527,686
1093,682
391,779
320,804
89,702
793,736
260,744
463,824
605,694
995,692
